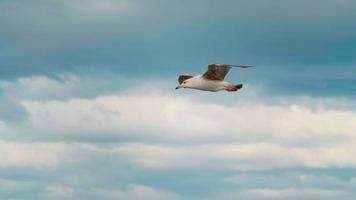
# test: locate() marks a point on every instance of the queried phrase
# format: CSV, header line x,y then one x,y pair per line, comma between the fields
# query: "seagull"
x,y
212,80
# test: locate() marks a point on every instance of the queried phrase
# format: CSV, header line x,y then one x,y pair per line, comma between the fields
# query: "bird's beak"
x,y
178,87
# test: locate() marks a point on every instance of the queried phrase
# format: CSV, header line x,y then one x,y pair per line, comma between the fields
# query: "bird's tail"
x,y
233,88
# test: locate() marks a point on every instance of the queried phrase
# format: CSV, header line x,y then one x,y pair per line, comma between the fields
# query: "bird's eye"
x,y
184,82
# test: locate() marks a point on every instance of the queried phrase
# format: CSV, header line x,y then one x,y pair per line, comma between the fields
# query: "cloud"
x,y
28,155
83,115
11,111
157,156
290,193
142,122
238,156
61,87
149,133
60,192
44,190
180,118
46,155
292,179
9,186
138,192
243,136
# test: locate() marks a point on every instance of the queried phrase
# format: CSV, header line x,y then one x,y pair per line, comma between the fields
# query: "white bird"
x,y
211,80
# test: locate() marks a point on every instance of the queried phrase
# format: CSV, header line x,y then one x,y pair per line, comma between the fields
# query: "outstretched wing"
x,y
216,72
219,71
183,78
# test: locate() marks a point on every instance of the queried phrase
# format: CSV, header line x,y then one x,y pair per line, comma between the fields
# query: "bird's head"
x,y
184,84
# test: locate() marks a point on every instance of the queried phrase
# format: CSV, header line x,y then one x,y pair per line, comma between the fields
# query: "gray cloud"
x,y
72,36
11,111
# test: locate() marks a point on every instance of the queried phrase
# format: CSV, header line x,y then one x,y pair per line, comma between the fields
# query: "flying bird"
x,y
211,80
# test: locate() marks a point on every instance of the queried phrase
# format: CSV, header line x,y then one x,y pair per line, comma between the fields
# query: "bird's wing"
x,y
184,77
219,71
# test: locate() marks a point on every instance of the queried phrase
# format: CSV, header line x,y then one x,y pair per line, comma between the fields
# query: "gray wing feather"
x,y
219,71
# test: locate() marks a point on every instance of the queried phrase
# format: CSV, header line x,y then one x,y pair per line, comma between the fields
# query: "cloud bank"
x,y
133,136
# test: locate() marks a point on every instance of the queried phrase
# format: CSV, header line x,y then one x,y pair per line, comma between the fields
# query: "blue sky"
x,y
88,108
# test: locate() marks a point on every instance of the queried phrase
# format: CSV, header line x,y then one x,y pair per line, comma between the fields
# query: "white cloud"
x,y
291,179
292,193
39,87
64,87
28,155
238,156
176,133
137,192
188,132
254,156
179,118
44,155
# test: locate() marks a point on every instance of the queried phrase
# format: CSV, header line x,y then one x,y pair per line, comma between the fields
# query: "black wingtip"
x,y
242,66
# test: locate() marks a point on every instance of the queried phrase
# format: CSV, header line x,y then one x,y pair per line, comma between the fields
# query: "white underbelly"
x,y
209,85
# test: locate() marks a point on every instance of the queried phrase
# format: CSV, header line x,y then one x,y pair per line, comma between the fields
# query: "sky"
x,y
88,108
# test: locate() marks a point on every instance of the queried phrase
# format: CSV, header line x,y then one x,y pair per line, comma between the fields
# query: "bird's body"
x,y
211,80
201,83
